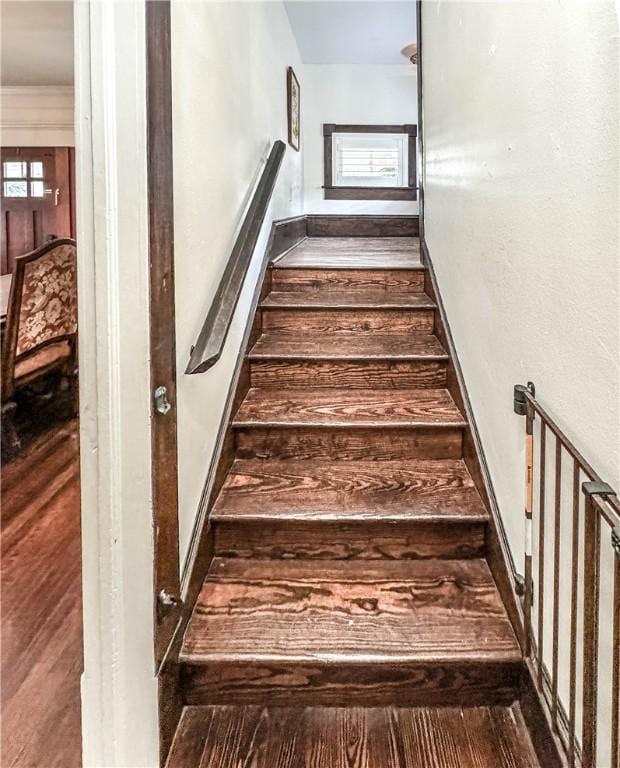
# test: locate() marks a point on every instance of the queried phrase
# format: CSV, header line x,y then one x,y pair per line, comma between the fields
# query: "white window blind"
x,y
369,160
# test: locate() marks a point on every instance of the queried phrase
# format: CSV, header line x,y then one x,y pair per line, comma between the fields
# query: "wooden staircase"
x,y
349,616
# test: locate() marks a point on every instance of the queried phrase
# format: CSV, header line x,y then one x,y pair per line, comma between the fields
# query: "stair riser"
x,y
363,374
362,321
344,444
370,684
401,280
364,540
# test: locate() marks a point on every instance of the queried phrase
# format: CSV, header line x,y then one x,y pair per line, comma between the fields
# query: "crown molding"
x,y
30,90
37,115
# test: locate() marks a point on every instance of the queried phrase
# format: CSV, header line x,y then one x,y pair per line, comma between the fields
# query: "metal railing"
x,y
579,543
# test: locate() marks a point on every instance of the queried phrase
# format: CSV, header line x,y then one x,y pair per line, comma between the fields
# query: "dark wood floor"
x,y
41,656
322,737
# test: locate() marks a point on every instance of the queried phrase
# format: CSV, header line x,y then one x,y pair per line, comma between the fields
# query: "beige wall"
x,y
522,214
229,99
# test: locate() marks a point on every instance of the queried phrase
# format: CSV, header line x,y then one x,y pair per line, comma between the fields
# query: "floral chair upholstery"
x,y
41,324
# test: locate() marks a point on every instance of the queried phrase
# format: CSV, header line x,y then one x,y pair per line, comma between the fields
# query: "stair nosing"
x,y
353,268
354,358
320,355
447,658
349,425
366,306
340,518
455,419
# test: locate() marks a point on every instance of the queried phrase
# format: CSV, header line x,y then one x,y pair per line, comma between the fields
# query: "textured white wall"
x,y
522,222
229,99
353,94
521,194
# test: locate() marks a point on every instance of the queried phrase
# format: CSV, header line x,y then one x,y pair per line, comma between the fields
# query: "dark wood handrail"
x,y
208,348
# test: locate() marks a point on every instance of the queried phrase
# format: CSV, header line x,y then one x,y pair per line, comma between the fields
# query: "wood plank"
x,y
388,491
375,347
321,299
411,683
322,631
344,444
328,225
344,278
333,611
347,408
354,374
348,321
283,538
352,737
354,252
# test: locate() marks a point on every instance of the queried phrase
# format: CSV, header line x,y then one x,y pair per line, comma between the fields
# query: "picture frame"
x,y
293,101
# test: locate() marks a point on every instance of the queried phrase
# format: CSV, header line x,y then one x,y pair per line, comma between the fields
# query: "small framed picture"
x,y
294,112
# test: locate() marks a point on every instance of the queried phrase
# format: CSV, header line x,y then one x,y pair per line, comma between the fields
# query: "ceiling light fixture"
x,y
411,52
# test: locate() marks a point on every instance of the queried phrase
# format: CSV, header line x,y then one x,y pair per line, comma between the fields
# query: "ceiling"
x,y
37,42
352,32
37,35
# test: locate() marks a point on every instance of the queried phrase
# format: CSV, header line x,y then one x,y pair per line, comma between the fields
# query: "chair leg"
x,y
11,444
75,393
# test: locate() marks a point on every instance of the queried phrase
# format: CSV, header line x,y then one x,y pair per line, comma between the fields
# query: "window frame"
x,y
27,178
408,192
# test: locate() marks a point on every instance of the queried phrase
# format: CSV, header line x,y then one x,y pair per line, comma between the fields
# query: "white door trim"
x,y
119,687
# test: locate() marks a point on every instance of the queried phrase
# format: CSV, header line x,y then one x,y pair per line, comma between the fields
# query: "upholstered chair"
x,y
41,325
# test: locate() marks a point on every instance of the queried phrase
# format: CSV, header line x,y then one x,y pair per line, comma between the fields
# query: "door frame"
x,y
164,457
119,686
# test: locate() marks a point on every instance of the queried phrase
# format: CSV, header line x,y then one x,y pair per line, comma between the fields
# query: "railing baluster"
x,y
572,708
615,679
523,407
556,580
529,505
591,590
601,506
541,553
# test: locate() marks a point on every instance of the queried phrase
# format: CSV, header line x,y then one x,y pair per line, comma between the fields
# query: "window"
x,y
369,162
22,179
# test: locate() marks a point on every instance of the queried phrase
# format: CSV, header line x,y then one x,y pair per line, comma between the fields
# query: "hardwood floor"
x,y
41,605
319,737
349,581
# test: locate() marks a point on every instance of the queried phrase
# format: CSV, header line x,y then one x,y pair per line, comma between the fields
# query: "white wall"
x,y
229,92
352,94
36,116
522,210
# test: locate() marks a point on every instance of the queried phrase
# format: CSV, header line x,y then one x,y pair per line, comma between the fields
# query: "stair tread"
x,y
381,491
373,737
337,407
426,611
354,253
319,299
414,346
